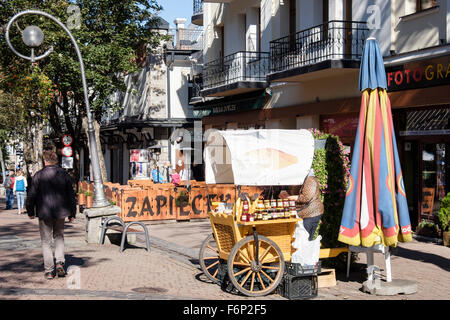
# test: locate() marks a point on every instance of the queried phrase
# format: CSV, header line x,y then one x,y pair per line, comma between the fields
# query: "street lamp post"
x,y
33,37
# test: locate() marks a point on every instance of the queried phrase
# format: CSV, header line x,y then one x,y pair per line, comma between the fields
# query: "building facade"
x,y
294,64
136,136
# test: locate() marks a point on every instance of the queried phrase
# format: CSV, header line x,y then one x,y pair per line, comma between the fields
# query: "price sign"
x,y
67,151
67,140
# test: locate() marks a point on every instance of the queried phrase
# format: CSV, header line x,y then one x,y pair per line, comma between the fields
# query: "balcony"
x,y
236,73
197,14
190,39
335,45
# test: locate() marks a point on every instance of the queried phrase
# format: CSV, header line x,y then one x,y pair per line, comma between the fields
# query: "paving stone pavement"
x,y
170,270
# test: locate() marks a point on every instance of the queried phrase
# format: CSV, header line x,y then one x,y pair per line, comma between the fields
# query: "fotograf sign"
x,y
419,74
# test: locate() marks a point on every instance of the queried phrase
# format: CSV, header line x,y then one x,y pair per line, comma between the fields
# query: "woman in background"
x,y
20,190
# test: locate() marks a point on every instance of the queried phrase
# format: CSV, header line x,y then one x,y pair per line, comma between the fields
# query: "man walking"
x,y
9,186
51,198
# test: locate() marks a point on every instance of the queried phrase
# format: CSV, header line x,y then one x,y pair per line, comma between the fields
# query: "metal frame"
x,y
125,231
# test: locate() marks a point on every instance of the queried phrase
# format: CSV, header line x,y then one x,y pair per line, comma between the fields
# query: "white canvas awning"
x,y
260,157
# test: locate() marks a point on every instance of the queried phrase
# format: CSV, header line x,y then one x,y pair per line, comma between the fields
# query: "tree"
x,y
111,35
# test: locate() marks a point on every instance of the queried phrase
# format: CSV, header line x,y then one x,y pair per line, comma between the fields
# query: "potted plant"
x,y
81,197
444,219
89,199
182,199
427,229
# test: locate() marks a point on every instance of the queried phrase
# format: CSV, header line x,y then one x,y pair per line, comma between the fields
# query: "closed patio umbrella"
x,y
375,210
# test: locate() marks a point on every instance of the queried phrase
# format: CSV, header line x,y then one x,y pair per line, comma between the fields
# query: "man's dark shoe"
x,y
49,275
60,269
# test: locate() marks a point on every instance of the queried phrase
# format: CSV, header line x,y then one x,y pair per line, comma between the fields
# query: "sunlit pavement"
x,y
170,270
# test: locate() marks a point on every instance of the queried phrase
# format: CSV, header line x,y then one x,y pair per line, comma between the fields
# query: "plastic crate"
x,y
223,280
298,287
296,269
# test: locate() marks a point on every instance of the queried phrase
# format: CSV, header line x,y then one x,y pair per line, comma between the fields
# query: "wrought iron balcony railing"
x,y
239,66
198,6
334,40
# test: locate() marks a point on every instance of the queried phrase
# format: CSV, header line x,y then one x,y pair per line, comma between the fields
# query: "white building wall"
x,y
179,93
377,13
309,14
234,28
421,30
308,122
267,22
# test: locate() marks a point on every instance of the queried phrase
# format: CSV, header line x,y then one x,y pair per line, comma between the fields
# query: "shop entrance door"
x,y
434,164
410,170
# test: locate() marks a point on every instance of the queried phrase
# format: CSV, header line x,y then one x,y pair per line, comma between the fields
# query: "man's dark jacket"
x,y
51,195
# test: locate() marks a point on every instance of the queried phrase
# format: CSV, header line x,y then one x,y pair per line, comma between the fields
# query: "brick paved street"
x,y
170,270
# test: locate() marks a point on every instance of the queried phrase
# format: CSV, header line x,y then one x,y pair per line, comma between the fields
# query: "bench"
x,y
124,229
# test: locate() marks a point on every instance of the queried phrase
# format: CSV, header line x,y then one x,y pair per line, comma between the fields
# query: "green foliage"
x,y
182,200
31,87
444,213
427,224
111,36
428,229
88,194
114,37
331,168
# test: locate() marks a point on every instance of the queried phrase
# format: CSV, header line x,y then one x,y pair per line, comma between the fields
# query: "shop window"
x,y
425,122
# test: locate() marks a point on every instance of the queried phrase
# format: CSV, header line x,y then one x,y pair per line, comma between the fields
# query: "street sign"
x,y
67,151
67,163
67,139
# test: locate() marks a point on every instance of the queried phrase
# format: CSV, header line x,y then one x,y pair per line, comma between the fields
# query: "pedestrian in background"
x,y
9,186
51,198
167,172
20,190
156,175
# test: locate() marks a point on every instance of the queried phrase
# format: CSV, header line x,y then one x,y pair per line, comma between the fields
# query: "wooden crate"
x,y
327,278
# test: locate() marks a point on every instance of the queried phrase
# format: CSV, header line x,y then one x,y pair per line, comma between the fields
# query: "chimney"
x,y
179,23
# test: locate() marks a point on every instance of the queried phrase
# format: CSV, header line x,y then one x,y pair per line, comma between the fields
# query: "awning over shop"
x,y
130,123
244,102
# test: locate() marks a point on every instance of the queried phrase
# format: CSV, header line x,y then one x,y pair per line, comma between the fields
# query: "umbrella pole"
x,y
370,261
387,261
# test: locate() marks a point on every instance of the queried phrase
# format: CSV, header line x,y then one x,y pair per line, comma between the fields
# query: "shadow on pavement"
x,y
439,261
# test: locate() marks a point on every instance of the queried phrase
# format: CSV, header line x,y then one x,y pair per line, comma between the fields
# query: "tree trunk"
x,y
101,159
2,164
34,146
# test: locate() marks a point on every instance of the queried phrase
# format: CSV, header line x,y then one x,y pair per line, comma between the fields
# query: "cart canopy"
x,y
262,157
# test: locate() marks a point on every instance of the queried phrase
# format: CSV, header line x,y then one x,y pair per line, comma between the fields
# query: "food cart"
x,y
252,239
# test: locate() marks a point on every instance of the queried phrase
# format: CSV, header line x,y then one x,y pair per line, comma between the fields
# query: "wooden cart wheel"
x,y
209,258
256,277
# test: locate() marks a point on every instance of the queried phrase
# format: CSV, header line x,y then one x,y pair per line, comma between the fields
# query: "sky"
x,y
173,9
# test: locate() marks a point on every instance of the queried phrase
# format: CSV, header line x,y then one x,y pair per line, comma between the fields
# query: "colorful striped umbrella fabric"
x,y
375,209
